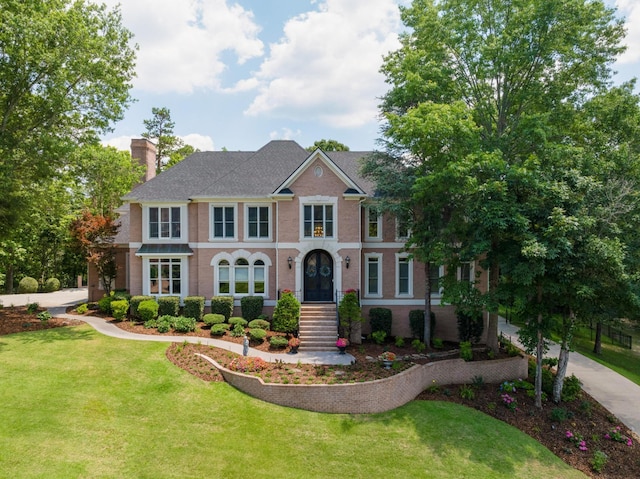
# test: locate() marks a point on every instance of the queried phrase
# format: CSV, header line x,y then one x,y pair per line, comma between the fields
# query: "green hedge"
x,y
119,309
251,307
135,302
286,314
148,310
168,305
238,320
193,307
260,324
380,320
222,305
278,342
257,334
219,329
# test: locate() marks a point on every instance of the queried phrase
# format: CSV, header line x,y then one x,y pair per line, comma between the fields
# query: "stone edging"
x,y
375,396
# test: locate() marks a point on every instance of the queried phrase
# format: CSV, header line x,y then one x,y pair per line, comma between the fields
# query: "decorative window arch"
x,y
241,273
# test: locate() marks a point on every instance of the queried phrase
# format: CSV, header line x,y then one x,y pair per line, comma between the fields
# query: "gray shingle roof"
x,y
228,174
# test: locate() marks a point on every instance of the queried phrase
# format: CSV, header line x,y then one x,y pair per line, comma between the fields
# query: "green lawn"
x,y
79,404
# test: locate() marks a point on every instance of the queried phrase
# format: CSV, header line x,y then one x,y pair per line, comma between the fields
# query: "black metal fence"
x,y
617,336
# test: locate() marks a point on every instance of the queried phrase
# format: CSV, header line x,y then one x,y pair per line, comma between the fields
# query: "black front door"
x,y
318,276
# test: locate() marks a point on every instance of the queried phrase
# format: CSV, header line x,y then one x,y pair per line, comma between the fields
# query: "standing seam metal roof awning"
x,y
164,250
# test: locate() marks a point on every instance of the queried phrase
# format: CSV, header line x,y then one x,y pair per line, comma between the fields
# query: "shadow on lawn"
x,y
55,334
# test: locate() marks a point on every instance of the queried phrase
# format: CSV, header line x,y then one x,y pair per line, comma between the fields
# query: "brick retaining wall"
x,y
375,396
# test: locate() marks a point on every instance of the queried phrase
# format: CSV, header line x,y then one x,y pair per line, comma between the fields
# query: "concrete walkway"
x,y
58,302
615,392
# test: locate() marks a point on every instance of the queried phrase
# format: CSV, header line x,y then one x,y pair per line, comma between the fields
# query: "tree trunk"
x,y
563,359
539,355
427,305
492,327
597,344
8,280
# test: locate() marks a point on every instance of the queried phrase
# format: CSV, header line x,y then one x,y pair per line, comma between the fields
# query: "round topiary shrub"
x,y
237,320
51,285
210,319
278,342
27,285
259,324
148,309
257,335
219,329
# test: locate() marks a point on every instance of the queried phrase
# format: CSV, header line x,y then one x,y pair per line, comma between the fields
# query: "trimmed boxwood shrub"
x,y
183,324
148,309
380,320
211,318
278,342
416,322
286,314
237,320
164,323
119,309
251,307
135,302
193,307
28,285
257,334
222,305
219,329
104,304
260,324
168,305
51,285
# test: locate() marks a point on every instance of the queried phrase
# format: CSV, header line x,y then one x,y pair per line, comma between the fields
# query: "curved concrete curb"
x,y
108,329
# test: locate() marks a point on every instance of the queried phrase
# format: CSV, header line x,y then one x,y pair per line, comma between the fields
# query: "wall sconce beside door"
x,y
289,261
347,260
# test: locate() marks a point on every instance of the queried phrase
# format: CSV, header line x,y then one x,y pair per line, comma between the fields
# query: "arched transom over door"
x,y
318,276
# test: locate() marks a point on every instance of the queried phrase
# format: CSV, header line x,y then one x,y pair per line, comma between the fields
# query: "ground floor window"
x,y
373,274
404,276
165,276
240,278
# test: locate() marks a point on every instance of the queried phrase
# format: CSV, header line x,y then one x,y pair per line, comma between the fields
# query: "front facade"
x,y
257,223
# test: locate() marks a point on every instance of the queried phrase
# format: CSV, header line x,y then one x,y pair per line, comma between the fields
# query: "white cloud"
x,y
284,134
182,41
631,10
326,65
200,142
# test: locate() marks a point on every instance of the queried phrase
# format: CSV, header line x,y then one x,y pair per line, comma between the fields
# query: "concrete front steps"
x,y
318,327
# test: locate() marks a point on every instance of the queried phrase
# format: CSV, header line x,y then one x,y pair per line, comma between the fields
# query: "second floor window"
x,y
374,224
258,221
164,222
223,221
318,221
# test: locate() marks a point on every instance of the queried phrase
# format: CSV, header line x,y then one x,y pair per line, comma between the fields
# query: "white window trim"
x,y
184,275
235,222
231,258
378,237
246,222
368,256
472,273
398,237
314,201
184,224
409,293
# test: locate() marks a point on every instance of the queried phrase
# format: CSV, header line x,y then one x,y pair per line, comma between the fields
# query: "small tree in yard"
x,y
350,313
286,314
94,236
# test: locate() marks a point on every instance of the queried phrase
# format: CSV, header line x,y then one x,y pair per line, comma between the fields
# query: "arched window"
x,y
243,278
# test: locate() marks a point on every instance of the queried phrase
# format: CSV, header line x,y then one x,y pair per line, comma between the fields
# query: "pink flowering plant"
x,y
294,342
616,435
509,401
342,343
246,364
576,439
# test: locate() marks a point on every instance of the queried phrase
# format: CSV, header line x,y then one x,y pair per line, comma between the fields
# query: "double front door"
x,y
318,276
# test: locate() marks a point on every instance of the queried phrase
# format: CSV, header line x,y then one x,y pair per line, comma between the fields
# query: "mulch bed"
x,y
583,418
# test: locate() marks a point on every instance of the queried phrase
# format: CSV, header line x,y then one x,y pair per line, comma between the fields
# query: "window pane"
x,y
253,214
253,230
153,215
307,222
373,276
223,274
264,230
242,273
434,278
264,214
403,276
217,214
465,272
164,215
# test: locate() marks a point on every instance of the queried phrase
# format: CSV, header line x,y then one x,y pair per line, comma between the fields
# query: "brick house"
x,y
256,223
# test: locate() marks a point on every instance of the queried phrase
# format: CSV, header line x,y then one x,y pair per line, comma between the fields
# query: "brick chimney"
x,y
144,151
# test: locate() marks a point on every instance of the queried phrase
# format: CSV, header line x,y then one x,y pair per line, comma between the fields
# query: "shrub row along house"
x,y
257,223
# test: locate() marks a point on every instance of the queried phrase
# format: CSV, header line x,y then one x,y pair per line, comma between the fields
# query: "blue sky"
x,y
237,74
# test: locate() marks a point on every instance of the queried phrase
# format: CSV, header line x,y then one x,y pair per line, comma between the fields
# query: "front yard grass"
x,y
79,404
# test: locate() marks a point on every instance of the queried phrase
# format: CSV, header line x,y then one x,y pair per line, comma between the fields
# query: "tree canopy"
x,y
498,109
328,145
65,74
170,149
